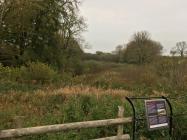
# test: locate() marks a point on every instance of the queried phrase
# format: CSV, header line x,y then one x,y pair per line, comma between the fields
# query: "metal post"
x,y
170,117
134,118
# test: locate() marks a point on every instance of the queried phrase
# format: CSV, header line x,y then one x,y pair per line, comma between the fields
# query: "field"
x,y
47,75
93,95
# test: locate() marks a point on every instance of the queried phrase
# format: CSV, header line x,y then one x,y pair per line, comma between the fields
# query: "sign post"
x,y
156,114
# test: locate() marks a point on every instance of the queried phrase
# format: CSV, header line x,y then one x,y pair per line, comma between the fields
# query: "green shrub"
x,y
38,72
91,66
172,73
60,109
9,73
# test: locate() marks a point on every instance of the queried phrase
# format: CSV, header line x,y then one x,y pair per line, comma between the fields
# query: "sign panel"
x,y
156,114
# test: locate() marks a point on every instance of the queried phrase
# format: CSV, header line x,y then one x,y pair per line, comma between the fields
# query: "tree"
x,y
119,52
173,52
72,23
37,27
141,49
180,49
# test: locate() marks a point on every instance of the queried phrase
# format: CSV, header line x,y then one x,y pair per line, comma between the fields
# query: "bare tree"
x,y
180,49
173,52
141,37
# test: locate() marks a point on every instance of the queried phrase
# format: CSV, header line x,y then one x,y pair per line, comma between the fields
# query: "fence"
x,y
120,121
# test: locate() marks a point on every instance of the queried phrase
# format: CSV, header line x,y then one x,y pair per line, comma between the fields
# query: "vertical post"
x,y
134,118
18,120
18,124
170,118
120,127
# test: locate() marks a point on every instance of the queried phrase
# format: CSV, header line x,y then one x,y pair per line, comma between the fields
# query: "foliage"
x,y
119,52
41,31
9,73
145,80
101,56
180,49
60,109
172,72
47,108
72,60
41,46
8,55
142,49
38,72
33,73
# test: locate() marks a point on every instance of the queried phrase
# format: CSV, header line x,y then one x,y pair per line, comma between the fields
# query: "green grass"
x,y
39,104
9,86
38,109
59,109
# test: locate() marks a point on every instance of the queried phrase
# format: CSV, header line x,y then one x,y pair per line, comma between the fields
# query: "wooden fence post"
x,y
18,124
120,127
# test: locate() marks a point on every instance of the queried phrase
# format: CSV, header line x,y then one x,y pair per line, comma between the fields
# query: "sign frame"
x,y
157,114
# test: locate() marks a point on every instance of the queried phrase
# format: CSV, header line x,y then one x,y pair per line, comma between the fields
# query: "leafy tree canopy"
x,y
142,49
40,27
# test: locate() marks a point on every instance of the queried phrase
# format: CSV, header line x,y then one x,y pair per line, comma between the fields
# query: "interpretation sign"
x,y
156,114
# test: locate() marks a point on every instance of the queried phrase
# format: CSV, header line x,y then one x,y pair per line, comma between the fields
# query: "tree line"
x,y
49,31
141,49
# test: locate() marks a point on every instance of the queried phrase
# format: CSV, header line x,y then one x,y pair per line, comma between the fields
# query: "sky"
x,y
113,22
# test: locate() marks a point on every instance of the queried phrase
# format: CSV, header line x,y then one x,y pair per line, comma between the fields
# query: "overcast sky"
x,y
112,22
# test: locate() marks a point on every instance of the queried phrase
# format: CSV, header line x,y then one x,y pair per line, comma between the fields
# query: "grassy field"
x,y
92,96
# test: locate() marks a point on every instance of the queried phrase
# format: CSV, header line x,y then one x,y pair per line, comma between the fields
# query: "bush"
x,y
38,72
31,74
91,66
172,73
9,73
